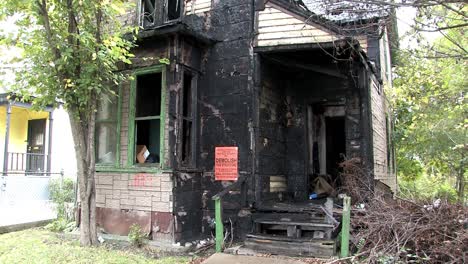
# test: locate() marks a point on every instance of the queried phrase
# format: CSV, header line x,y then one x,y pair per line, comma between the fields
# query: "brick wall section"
x,y
135,191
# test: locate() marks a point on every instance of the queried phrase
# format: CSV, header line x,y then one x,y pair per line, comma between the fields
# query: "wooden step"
x,y
294,226
318,226
323,248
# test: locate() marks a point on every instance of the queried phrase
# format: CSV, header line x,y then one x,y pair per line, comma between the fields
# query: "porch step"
x,y
306,247
293,226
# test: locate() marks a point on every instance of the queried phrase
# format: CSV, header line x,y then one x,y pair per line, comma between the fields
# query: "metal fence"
x,y
25,197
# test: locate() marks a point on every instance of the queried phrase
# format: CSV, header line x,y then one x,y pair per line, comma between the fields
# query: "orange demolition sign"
x,y
226,163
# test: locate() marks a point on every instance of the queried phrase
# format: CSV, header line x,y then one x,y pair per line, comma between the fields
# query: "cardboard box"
x,y
141,153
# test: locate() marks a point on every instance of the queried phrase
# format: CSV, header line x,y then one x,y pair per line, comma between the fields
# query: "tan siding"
x,y
197,6
278,184
379,136
276,27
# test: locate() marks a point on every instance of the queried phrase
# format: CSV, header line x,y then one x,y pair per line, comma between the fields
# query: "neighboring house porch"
x,y
26,138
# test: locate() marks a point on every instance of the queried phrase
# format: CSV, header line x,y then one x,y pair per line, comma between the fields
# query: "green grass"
x,y
41,246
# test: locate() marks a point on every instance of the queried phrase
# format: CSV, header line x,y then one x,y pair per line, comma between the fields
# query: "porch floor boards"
x,y
293,229
292,207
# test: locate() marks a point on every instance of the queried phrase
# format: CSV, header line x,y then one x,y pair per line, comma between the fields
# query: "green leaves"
x,y
67,55
430,114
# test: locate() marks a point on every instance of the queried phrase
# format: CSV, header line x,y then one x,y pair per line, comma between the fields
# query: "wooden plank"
x,y
292,248
279,22
313,34
277,178
291,27
270,10
286,223
273,16
200,6
321,241
305,40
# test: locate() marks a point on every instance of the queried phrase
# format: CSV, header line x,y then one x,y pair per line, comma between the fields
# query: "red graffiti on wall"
x,y
141,180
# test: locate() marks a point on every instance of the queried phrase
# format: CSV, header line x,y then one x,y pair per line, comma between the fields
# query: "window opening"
x,y
173,9
148,118
155,12
148,13
187,118
106,129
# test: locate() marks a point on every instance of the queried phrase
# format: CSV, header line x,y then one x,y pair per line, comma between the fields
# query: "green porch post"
x,y
219,225
345,227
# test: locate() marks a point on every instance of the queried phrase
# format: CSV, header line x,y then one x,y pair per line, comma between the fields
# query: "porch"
x,y
25,138
312,114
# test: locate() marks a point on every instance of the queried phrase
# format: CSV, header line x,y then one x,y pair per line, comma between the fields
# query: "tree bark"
x,y
83,125
461,181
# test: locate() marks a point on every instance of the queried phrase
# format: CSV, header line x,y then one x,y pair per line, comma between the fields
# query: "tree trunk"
x,y
461,185
83,135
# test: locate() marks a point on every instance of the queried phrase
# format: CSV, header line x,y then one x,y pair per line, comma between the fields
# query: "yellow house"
x,y
25,137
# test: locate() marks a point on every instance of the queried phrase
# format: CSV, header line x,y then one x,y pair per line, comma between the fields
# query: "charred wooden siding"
x,y
225,100
272,141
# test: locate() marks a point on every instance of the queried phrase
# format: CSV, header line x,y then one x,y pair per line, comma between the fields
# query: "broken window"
x,y
154,12
106,130
173,9
187,110
148,118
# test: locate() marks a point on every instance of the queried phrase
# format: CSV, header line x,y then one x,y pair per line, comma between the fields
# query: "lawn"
x,y
41,246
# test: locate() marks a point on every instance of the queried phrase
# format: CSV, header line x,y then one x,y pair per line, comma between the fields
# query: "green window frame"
x,y
113,119
132,119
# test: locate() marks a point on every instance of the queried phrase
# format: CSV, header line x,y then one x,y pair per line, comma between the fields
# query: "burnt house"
x,y
295,92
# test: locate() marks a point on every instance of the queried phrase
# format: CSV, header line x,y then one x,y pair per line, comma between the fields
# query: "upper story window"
x,y
157,12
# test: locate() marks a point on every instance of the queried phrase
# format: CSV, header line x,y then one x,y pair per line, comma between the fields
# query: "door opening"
x,y
35,158
336,145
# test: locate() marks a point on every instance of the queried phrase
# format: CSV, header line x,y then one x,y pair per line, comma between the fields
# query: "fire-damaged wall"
x,y
212,69
225,99
172,201
272,154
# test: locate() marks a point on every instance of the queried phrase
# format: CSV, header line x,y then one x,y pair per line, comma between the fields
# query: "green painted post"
x,y
219,226
345,226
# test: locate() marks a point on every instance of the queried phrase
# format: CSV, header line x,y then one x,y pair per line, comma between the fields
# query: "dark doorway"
x,y
336,144
35,158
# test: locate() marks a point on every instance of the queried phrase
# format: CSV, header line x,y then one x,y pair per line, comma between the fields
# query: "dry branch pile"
x,y
401,231
355,180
